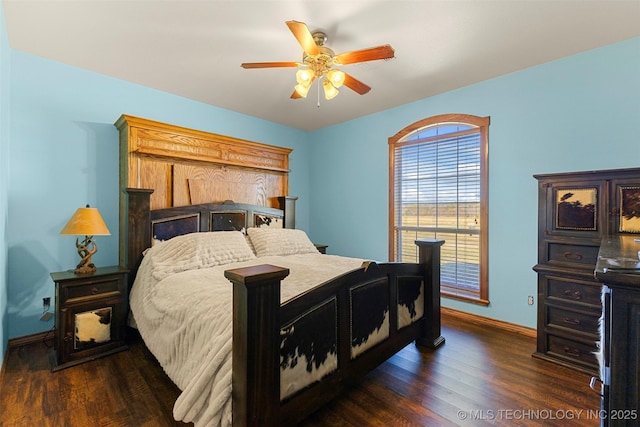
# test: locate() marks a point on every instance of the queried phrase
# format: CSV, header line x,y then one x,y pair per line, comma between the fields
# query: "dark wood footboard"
x,y
261,326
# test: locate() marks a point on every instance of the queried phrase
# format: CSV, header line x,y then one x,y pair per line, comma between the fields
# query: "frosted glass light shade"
x,y
302,90
336,77
303,77
330,91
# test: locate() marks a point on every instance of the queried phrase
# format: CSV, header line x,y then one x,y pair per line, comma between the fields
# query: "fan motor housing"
x,y
323,61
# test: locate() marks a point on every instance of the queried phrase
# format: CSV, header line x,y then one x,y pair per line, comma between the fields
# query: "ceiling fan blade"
x,y
304,37
371,54
355,84
269,64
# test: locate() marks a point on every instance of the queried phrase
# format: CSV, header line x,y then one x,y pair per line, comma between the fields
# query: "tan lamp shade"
x,y
86,222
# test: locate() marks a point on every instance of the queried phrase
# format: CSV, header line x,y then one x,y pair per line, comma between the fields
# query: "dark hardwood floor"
x,y
481,376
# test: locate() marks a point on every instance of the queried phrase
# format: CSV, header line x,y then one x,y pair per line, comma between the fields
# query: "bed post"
x,y
288,205
429,254
135,229
256,344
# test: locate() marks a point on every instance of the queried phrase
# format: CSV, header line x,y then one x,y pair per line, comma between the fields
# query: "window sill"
x,y
465,298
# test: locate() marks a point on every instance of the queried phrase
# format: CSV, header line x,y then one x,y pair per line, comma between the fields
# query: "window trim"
x,y
483,126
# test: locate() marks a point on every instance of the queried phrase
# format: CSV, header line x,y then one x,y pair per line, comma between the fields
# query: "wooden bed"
x,y
342,306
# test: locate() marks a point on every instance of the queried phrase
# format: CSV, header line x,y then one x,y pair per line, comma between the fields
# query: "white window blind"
x,y
437,194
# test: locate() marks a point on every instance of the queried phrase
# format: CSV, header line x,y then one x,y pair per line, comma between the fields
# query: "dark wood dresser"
x,y
575,211
618,269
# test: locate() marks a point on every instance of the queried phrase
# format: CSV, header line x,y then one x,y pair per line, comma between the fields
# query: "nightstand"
x,y
321,248
91,311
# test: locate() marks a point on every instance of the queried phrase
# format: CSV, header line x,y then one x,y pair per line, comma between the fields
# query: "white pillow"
x,y
199,250
280,241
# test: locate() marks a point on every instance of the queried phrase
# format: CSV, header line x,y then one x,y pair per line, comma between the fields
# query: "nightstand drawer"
x,y
98,288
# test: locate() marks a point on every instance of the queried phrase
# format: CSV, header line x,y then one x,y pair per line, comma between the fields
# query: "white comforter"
x,y
185,320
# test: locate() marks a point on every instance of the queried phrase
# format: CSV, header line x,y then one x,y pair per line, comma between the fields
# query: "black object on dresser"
x,y
91,312
618,269
575,211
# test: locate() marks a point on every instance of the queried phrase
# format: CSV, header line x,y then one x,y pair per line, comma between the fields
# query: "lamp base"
x,y
85,269
86,249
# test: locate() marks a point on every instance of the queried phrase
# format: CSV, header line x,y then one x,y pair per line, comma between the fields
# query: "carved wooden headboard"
x,y
187,167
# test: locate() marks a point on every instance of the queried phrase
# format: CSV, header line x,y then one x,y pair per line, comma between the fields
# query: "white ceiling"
x,y
194,48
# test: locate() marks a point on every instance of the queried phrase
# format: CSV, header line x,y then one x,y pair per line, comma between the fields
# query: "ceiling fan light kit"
x,y
336,77
302,90
304,76
330,91
318,61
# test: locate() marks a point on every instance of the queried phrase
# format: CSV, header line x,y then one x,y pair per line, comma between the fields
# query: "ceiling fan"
x,y
318,62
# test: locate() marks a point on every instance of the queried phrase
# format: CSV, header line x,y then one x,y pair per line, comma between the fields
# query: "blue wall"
x,y
578,113
64,154
4,177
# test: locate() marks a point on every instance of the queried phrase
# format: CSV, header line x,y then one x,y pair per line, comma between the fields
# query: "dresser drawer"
x,y
581,256
72,292
573,291
570,350
560,317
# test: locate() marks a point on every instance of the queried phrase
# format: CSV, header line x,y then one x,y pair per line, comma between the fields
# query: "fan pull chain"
x,y
318,85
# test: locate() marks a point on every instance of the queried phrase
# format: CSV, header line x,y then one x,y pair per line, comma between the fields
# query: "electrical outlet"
x,y
530,300
46,314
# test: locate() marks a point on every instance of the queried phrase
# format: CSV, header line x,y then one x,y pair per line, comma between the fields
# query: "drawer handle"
x,y
592,385
573,294
572,351
94,291
574,256
67,337
571,321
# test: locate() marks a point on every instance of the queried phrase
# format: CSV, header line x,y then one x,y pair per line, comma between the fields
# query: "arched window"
x,y
438,189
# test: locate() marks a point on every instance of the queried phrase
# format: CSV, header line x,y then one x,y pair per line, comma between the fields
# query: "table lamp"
x,y
86,222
